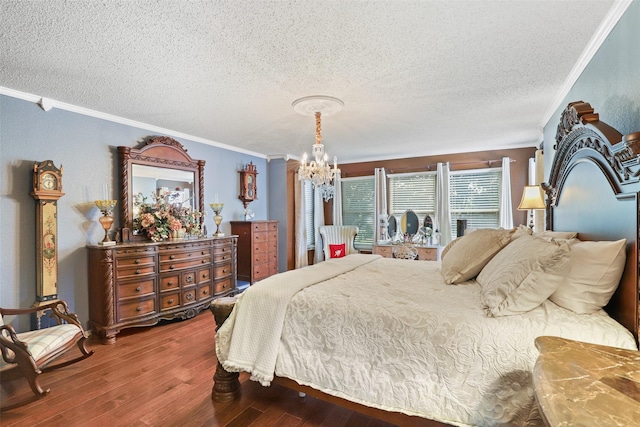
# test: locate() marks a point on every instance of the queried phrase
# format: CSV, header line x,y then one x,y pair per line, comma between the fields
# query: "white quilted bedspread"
x,y
391,335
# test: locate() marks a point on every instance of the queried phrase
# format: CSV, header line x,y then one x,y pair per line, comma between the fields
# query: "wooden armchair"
x,y
33,351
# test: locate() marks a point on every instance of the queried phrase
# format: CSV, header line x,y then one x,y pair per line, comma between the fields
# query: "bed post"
x,y
226,386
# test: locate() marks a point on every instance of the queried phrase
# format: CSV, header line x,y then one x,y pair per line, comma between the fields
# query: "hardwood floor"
x,y
159,376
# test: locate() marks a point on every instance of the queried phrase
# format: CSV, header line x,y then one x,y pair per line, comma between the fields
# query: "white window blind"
x,y
308,215
475,196
414,191
357,207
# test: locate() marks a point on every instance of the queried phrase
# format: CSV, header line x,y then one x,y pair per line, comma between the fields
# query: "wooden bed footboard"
x,y
226,385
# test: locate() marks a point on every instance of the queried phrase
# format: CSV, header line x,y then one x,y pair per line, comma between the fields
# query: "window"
x,y
415,191
475,196
357,207
308,215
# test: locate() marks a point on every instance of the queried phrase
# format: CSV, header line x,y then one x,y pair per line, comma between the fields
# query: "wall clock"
x,y
47,189
248,185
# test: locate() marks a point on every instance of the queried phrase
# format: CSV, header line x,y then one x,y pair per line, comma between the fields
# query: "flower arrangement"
x,y
160,217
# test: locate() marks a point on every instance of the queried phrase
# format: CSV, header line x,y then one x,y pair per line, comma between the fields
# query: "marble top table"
x,y
580,384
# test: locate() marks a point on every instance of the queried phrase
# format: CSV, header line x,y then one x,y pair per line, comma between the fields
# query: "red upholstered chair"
x,y
33,351
338,235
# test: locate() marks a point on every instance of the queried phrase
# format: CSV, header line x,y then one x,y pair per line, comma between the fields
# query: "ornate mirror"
x,y
392,227
428,222
161,165
409,223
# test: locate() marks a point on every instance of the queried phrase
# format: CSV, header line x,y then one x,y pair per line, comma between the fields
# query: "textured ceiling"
x,y
416,77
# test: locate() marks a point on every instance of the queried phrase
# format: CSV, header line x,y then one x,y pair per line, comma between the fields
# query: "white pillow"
x,y
596,269
470,253
523,275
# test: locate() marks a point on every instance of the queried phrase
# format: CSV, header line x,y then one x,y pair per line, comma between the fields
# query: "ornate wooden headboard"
x,y
594,189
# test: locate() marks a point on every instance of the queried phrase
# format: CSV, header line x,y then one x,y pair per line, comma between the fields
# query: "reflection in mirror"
x,y
176,185
409,223
392,228
428,222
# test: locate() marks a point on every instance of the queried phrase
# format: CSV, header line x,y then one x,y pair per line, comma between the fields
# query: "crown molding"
x,y
52,103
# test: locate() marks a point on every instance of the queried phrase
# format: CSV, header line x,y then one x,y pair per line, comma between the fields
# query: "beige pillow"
x,y
471,253
557,235
596,269
522,275
448,247
521,230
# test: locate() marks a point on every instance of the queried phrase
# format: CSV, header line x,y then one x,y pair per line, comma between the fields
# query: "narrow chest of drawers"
x,y
257,249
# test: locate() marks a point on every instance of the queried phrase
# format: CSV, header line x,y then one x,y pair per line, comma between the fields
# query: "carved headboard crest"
x,y
581,134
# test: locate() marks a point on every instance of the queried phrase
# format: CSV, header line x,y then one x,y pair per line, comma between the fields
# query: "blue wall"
x,y
610,82
86,148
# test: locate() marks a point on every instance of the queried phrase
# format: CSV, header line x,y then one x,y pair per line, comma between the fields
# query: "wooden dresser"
x,y
257,249
138,284
425,253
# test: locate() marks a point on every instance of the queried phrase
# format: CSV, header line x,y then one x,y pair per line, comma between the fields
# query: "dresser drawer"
x,y
427,254
189,296
145,259
260,247
385,251
169,282
272,236
135,271
204,276
180,264
260,237
260,271
188,279
184,255
221,271
221,286
259,226
204,292
135,289
168,301
132,309
222,251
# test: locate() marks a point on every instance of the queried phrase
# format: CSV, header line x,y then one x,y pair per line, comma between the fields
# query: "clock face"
x,y
48,181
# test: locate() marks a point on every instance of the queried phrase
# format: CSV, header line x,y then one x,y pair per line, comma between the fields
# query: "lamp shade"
x,y
531,198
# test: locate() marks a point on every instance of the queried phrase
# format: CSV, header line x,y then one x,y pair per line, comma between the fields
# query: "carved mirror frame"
x,y
162,152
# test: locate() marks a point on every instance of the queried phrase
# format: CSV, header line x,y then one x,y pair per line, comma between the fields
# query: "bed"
x,y
450,342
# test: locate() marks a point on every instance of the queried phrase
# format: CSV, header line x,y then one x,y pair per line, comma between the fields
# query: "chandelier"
x,y
319,171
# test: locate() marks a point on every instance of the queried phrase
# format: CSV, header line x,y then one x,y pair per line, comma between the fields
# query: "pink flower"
x,y
147,220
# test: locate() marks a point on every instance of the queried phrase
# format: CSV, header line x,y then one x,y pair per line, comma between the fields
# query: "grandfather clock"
x,y
47,189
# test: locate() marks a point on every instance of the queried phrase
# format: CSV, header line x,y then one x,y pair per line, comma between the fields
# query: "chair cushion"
x,y
337,251
44,341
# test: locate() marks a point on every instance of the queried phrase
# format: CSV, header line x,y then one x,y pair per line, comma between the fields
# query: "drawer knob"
x,y
224,270
189,279
138,308
172,267
225,285
138,289
190,254
205,275
172,257
137,271
204,261
137,261
189,297
205,292
170,283
171,301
